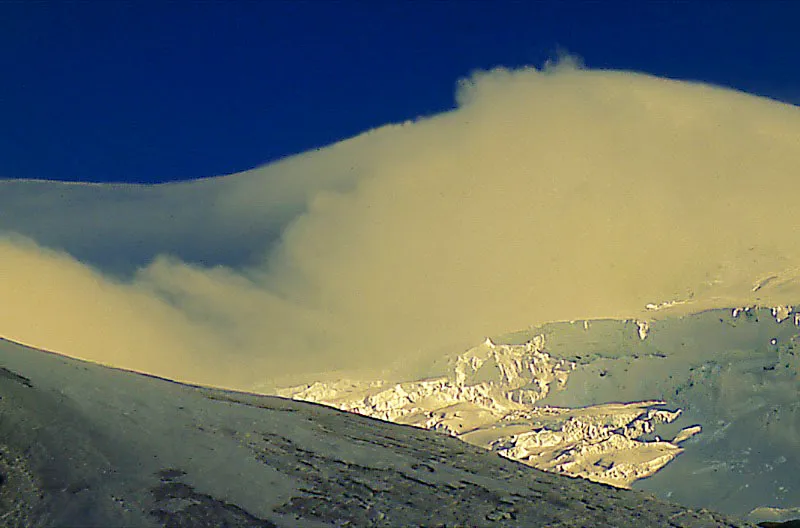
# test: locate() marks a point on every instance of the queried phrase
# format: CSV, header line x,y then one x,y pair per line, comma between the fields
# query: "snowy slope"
x,y
619,401
85,445
489,399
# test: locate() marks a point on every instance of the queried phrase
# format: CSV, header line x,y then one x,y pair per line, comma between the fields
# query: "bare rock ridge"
x,y
85,445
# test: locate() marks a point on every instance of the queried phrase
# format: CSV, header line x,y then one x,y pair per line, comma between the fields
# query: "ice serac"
x,y
489,398
602,443
587,399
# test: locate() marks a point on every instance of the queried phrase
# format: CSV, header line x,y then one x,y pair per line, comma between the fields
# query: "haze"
x,y
546,195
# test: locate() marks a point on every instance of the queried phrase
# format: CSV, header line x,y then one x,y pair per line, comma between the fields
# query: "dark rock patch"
x,y
178,505
20,493
794,523
13,376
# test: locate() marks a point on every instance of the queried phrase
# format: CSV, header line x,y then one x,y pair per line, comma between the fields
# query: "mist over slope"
x,y
545,195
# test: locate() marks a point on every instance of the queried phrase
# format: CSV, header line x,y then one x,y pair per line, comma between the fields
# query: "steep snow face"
x,y
719,388
488,398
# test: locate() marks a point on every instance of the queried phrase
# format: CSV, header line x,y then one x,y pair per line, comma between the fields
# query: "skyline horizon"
x,y
109,91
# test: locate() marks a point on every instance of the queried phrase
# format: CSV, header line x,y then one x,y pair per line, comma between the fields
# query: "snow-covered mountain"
x,y
85,445
489,399
617,402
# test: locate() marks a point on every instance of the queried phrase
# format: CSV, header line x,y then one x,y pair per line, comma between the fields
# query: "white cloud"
x,y
560,194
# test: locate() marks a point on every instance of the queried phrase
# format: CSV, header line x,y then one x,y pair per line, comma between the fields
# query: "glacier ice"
x,y
711,398
489,398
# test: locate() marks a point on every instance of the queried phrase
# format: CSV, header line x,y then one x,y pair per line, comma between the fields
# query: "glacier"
x,y
701,408
489,399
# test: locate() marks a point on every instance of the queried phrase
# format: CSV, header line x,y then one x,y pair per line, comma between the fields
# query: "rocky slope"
x,y
85,445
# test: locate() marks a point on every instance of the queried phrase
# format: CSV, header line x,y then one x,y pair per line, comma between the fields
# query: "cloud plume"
x,y
545,195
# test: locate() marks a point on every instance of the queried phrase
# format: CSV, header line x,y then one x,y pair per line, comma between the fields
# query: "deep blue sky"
x,y
156,91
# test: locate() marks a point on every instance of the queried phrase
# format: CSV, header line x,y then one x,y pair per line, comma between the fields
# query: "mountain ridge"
x,y
94,446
